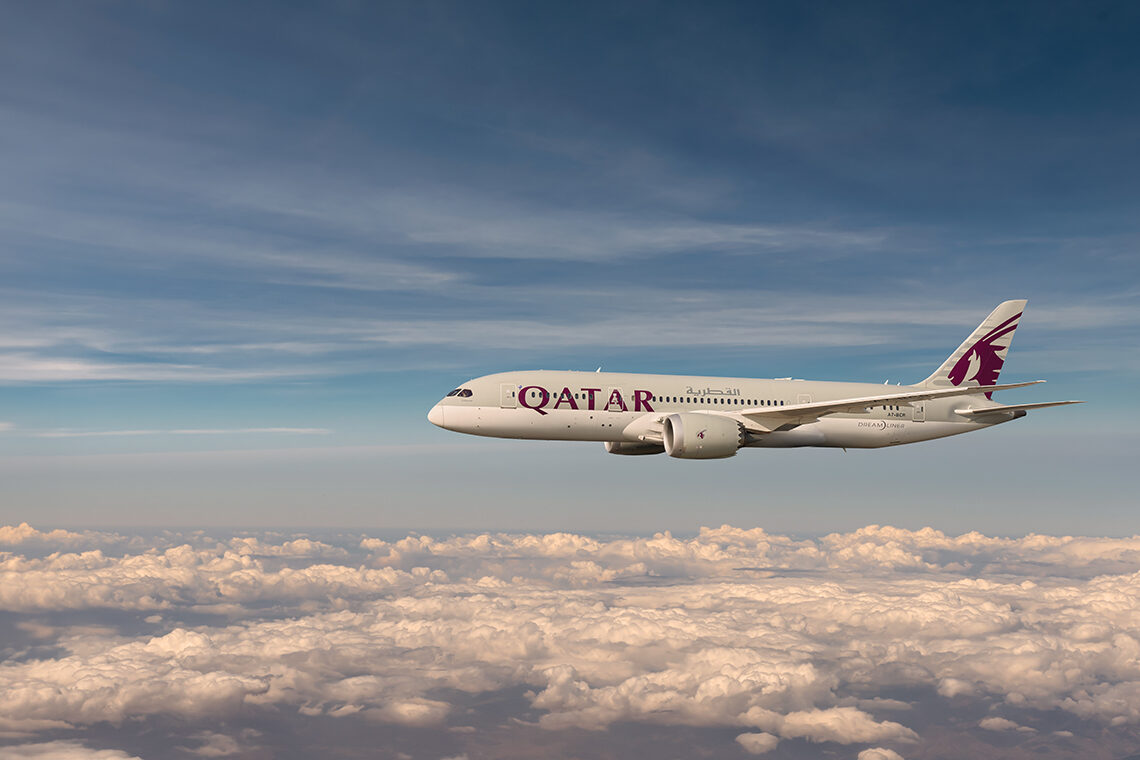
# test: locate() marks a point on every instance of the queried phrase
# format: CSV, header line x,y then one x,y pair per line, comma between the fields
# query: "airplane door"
x,y
508,398
615,407
919,411
804,398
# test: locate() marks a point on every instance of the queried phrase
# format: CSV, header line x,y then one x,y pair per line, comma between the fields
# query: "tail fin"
x,y
980,358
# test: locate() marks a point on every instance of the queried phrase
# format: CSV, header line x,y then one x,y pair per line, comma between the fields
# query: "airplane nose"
x,y
435,416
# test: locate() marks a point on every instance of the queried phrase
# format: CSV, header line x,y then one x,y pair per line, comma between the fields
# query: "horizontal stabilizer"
x,y
988,410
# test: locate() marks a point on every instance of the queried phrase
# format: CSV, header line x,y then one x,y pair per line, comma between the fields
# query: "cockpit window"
x,y
454,392
464,393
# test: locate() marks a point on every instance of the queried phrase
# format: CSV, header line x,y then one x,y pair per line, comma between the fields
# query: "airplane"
x,y
693,417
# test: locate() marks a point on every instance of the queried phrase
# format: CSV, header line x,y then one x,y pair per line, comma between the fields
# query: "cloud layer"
x,y
851,639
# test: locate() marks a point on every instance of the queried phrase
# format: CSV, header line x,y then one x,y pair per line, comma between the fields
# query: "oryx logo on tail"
x,y
978,361
982,363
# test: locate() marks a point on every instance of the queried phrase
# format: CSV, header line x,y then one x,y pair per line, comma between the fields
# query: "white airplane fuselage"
x,y
622,408
694,417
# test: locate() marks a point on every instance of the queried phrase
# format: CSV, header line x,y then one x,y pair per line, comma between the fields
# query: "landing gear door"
x,y
919,411
508,397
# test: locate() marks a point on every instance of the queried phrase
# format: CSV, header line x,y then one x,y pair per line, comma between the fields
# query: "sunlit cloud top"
x,y
876,641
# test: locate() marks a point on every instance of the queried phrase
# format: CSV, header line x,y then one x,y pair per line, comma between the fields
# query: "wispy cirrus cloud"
x,y
184,431
63,750
31,368
83,338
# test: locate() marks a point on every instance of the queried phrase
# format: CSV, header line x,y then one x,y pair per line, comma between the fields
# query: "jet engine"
x,y
702,436
634,449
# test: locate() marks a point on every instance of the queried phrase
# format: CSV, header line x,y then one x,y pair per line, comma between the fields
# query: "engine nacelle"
x,y
634,449
702,436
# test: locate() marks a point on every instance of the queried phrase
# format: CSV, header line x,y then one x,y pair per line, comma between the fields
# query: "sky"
x,y
244,248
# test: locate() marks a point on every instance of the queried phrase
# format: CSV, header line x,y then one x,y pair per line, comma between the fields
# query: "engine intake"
x,y
702,436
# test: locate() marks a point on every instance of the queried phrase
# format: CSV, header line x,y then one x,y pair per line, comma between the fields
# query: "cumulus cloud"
x,y
62,750
31,540
879,753
757,744
15,535
1001,724
181,576
210,744
791,640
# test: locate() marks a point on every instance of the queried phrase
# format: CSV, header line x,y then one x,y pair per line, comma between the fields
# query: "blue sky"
x,y
244,248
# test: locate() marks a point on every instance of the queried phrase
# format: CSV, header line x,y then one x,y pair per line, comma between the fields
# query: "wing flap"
x,y
772,419
983,411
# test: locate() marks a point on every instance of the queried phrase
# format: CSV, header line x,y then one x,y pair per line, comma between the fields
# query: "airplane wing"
x,y
985,410
771,419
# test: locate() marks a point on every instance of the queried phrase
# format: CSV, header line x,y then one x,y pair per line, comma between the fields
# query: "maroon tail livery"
x,y
984,360
978,361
